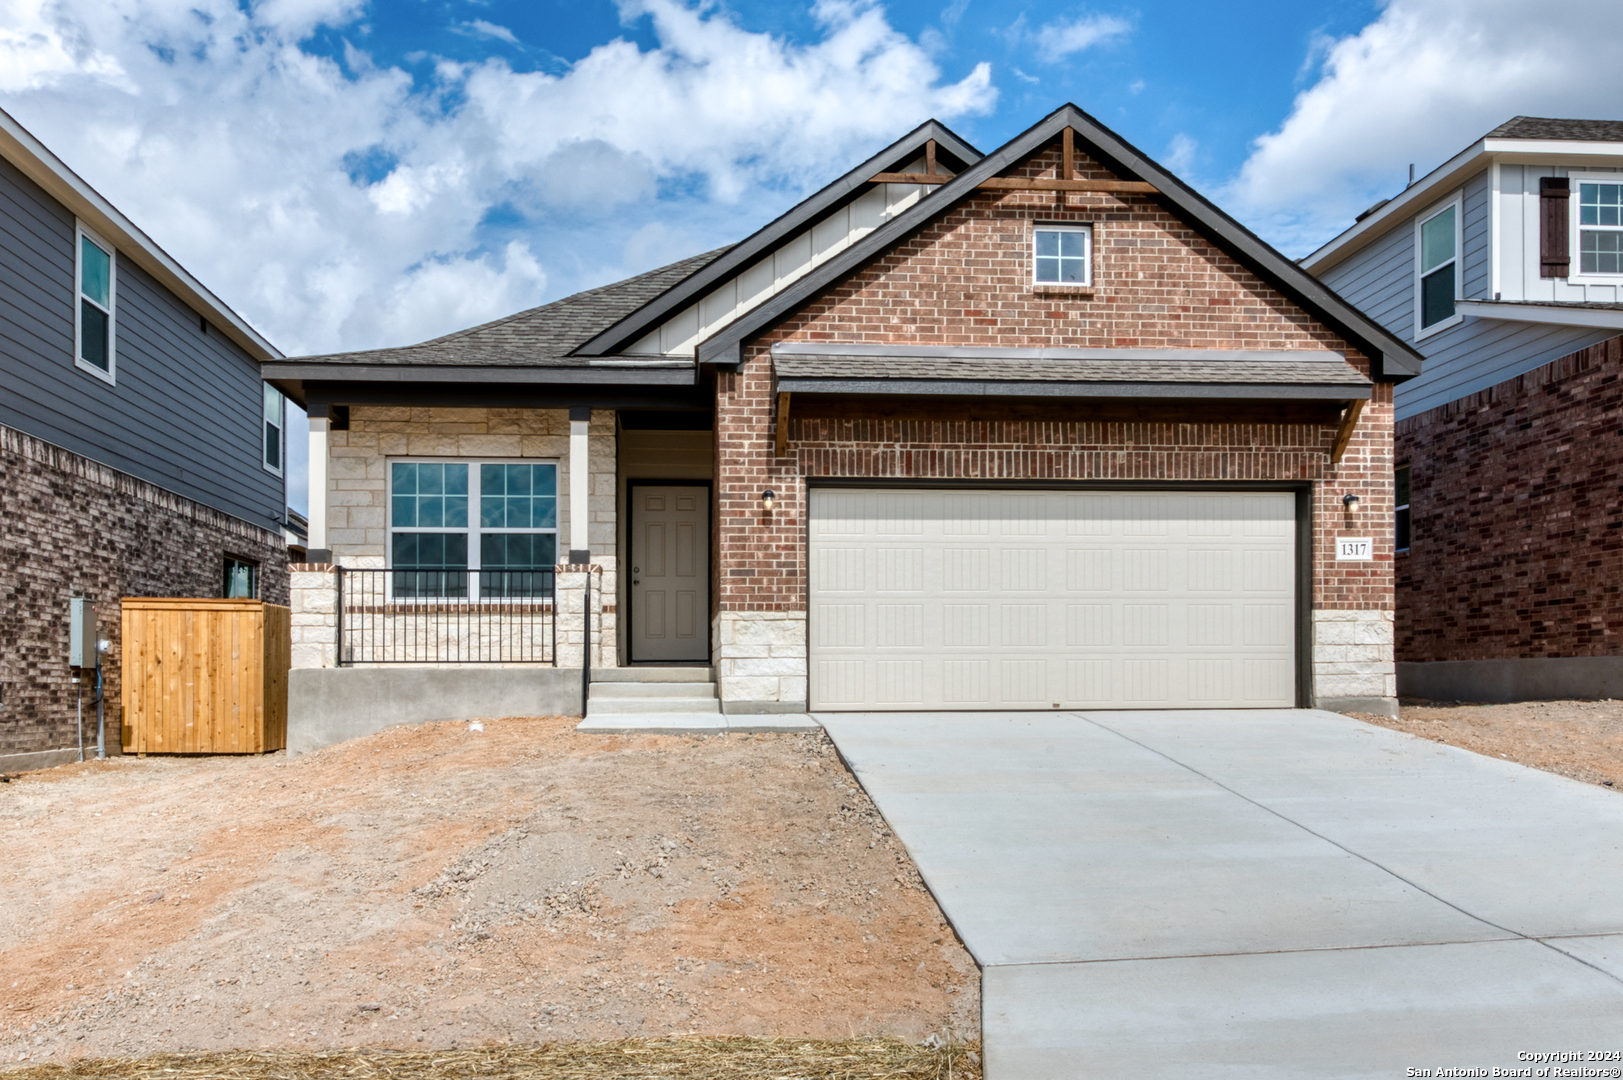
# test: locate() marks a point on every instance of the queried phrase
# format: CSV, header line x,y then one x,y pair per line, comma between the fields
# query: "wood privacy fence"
x,y
205,676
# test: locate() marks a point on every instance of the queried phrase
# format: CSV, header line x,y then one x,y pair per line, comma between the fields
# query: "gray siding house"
x,y
140,453
1504,268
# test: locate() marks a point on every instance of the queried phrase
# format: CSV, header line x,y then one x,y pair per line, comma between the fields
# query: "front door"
x,y
670,573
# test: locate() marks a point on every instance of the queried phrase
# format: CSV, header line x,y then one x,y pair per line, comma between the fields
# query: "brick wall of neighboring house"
x,y
965,280
1517,517
74,527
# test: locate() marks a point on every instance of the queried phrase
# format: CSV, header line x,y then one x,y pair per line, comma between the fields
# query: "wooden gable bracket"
x,y
783,424
1344,433
1066,182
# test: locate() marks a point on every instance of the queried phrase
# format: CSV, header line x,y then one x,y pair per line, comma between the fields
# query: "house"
x,y
1504,267
140,452
1034,429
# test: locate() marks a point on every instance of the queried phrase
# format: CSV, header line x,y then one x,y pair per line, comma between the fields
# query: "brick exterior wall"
x,y
74,527
1517,517
965,280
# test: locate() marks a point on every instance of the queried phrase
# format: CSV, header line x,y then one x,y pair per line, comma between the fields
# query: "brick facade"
x,y
965,280
74,527
1517,517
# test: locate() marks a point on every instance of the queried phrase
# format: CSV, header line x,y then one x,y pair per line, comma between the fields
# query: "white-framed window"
x,y
1599,212
95,277
460,527
1061,256
275,445
1437,268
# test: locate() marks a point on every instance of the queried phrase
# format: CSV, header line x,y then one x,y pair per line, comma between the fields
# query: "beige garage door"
x,y
1052,599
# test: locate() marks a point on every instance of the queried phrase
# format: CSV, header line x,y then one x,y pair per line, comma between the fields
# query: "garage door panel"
x,y
972,600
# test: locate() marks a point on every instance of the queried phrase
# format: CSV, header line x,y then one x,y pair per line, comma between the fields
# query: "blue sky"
x,y
351,174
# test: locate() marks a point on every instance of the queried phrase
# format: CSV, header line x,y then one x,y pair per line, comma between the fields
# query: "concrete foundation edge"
x,y
1521,679
329,705
1377,706
762,708
44,759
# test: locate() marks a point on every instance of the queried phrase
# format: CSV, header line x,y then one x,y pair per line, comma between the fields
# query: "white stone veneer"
x,y
1353,655
760,659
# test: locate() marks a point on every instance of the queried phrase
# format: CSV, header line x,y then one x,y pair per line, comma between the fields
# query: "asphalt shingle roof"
x,y
540,337
1295,371
1546,127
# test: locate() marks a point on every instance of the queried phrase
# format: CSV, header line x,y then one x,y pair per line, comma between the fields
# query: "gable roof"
x,y
1389,355
957,153
545,336
1549,127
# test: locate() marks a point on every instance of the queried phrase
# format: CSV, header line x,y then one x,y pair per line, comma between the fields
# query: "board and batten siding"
x,y
186,412
1476,353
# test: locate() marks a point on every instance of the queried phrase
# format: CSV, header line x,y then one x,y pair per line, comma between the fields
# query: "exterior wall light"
x,y
766,499
1350,501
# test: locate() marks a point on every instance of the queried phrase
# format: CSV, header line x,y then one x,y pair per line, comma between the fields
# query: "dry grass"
x,y
626,1059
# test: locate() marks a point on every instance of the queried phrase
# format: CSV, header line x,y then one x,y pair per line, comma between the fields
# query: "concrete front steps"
x,y
671,700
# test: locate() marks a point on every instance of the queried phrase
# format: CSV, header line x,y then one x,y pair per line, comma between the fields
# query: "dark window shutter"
x,y
1553,259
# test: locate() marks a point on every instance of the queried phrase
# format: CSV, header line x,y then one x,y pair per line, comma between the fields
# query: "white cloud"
x,y
346,206
1059,39
1418,85
481,28
1180,154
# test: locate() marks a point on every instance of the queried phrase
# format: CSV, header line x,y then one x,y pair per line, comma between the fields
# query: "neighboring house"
x,y
1039,429
140,453
1504,267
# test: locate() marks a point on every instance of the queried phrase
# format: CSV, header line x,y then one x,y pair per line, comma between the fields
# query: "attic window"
x,y
1062,255
1600,228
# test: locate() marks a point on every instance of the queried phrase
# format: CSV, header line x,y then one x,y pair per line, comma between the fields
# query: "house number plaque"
x,y
1354,549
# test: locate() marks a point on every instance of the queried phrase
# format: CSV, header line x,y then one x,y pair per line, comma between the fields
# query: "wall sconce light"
x,y
767,497
1350,501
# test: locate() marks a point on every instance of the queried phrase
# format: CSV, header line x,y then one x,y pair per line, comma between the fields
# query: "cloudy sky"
x,y
350,174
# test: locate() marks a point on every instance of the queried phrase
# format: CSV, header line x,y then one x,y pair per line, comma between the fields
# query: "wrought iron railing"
x,y
447,616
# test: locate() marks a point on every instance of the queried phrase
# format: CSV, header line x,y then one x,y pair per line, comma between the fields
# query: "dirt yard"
x,y
1580,739
441,887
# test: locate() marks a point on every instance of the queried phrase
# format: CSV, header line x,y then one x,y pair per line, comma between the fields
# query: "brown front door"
x,y
670,573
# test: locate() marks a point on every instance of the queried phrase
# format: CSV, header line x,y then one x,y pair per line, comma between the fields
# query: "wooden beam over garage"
x,y
1344,434
783,424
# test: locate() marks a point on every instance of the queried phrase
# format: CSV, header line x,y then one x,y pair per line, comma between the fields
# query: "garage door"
x,y
1051,599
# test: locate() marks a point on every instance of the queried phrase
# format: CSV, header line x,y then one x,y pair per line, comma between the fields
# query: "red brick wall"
x,y
965,280
72,526
1517,517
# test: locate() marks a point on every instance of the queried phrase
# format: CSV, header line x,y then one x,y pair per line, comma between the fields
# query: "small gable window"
x,y
1439,248
1600,228
93,321
1062,255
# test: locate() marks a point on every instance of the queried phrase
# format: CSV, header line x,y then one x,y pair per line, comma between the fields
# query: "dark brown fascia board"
x,y
1076,390
316,395
1393,359
749,250
596,375
865,350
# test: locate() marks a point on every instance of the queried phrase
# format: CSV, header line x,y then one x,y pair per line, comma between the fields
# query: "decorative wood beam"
x,y
1017,183
1344,433
929,157
1068,155
783,424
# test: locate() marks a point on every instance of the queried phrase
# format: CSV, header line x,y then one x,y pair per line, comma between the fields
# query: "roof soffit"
x,y
787,226
1394,359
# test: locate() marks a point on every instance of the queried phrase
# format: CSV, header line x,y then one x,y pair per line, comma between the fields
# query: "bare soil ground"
x,y
438,887
1580,739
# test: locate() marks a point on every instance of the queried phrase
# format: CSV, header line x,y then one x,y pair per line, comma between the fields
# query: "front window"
x,y
459,528
1439,259
93,321
1401,492
241,579
275,412
1600,228
1062,255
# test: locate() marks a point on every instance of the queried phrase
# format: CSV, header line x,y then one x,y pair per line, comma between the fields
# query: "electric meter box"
x,y
82,634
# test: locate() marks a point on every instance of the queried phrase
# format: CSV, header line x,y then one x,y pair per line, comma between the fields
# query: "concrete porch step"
x,y
633,706
611,691
698,673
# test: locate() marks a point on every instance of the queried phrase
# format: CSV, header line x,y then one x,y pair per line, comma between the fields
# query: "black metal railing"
x,y
447,616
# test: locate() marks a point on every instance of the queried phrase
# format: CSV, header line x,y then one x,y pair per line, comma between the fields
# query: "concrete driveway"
x,y
1257,894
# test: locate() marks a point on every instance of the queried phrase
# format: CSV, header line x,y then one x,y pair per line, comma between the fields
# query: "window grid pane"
x,y
1437,241
1061,257
1600,252
95,273
1437,296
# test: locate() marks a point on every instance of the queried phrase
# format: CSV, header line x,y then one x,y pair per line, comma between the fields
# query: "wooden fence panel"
x,y
205,676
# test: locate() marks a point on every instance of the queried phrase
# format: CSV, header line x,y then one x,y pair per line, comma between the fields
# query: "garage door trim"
x,y
1302,489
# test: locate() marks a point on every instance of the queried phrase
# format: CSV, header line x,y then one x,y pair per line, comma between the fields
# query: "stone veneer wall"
x,y
1516,517
964,280
76,527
